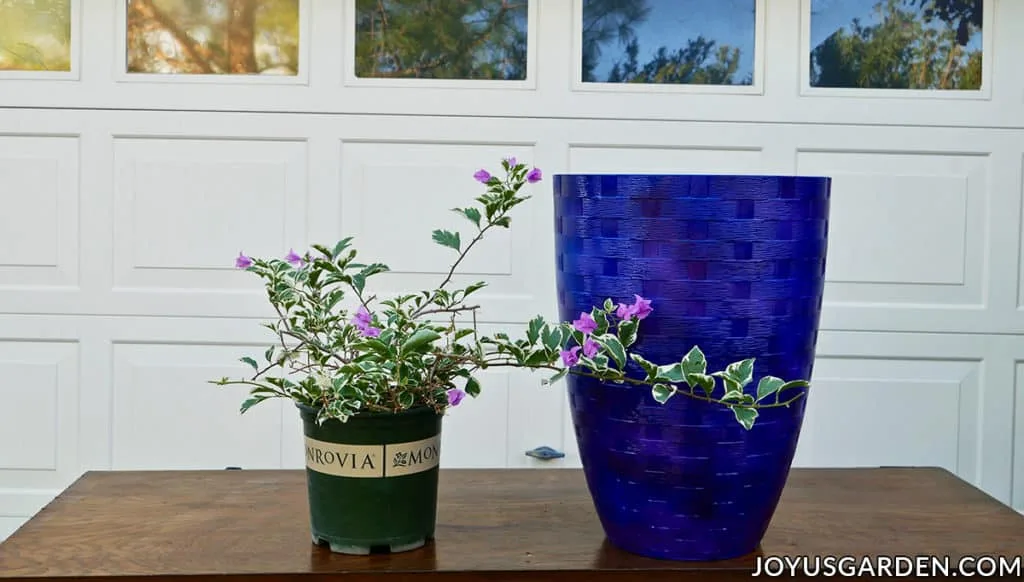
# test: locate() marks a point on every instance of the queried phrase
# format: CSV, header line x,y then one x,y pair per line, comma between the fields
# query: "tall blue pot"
x,y
734,264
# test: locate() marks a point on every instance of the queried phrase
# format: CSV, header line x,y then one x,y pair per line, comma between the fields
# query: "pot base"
x,y
362,550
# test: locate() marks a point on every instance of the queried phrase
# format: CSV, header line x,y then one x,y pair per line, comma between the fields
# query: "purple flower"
x,y
242,262
641,307
362,316
585,324
362,320
624,311
294,258
455,396
482,176
534,176
591,347
511,161
571,356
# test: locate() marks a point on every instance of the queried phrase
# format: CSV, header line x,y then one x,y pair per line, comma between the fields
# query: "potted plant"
x,y
372,377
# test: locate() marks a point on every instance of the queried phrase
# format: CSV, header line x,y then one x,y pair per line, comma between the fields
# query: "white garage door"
x,y
143,143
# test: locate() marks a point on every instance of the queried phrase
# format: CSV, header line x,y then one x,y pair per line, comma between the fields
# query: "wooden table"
x,y
497,525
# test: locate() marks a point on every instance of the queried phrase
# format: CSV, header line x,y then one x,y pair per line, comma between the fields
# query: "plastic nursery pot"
x,y
372,481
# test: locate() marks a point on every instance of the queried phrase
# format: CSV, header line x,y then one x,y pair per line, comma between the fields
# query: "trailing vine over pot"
x,y
343,351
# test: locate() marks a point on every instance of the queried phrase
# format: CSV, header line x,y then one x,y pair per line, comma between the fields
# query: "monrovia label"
x,y
392,460
415,457
345,460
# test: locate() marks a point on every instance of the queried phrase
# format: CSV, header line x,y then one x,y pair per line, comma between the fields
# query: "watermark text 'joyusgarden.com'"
x,y
891,566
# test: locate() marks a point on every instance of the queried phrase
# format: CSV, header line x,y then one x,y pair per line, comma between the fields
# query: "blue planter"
x,y
734,264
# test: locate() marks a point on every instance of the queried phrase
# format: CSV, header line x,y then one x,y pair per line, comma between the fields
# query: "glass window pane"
x,y
896,44
242,37
441,39
689,42
35,35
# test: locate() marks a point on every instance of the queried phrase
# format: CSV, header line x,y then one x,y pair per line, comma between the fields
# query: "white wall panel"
x,y
39,228
166,414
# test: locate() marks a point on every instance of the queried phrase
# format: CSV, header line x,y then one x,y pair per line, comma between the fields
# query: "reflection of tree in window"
x,y
213,36
906,44
669,41
35,35
441,39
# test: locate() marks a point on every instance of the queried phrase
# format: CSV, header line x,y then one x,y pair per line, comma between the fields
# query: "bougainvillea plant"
x,y
343,351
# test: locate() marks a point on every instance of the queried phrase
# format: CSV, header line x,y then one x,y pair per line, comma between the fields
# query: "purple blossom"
x,y
585,324
534,176
591,347
641,307
362,320
512,161
294,258
482,176
571,356
455,396
242,261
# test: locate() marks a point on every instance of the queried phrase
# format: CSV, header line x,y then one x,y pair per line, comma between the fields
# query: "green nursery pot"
x,y
372,480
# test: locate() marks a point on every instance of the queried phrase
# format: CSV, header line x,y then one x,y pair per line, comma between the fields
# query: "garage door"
x,y
143,143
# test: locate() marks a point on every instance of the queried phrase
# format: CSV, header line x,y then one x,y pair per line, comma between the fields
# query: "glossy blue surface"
x,y
734,264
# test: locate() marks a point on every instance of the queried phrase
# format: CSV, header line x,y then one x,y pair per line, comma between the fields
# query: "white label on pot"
x,y
374,461
409,458
345,460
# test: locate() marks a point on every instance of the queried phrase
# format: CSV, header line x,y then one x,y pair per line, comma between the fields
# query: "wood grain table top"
x,y
523,524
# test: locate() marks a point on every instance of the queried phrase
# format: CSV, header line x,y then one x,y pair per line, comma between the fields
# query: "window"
x,y
211,37
35,35
688,42
441,39
896,44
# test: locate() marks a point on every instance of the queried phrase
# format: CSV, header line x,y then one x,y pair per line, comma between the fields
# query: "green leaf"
x,y
269,354
551,337
461,333
358,282
471,213
472,387
662,392
340,246
649,367
670,373
602,321
251,362
378,346
474,287
249,403
406,399
745,416
767,386
503,222
447,238
741,372
537,358
702,381
794,384
627,332
615,349
694,362
420,339
558,376
735,395
533,331
609,304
